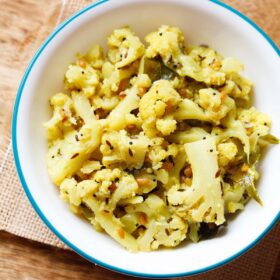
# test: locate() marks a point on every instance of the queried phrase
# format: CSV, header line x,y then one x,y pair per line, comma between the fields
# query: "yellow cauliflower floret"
x,y
84,79
169,234
206,57
126,188
210,99
257,126
191,68
166,126
87,188
66,156
59,99
118,117
131,119
255,121
231,65
241,87
216,105
153,105
141,81
90,165
233,196
157,154
69,192
202,64
105,103
162,175
166,42
112,77
62,116
95,56
105,178
202,201
124,47
226,153
119,148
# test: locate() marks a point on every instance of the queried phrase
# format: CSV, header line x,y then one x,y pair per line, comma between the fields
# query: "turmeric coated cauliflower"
x,y
226,153
158,101
124,47
155,145
83,79
215,104
255,122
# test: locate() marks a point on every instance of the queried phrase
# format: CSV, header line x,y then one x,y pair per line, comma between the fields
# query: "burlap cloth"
x,y
18,217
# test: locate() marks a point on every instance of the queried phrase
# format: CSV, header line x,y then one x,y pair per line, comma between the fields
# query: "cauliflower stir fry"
x,y
155,144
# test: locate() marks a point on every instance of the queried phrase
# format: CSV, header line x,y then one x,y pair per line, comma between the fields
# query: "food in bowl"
x,y
155,144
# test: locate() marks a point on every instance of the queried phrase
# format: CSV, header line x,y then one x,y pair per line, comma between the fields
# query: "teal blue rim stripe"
x,y
38,210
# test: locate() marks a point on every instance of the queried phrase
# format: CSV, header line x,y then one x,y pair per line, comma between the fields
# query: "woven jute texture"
x,y
18,217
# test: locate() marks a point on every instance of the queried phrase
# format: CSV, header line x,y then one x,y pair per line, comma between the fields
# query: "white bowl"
x,y
208,22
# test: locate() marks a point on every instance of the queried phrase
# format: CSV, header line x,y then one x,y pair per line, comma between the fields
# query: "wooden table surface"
x,y
21,23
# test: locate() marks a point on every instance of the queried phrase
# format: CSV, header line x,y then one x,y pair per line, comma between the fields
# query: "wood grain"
x,y
24,259
23,25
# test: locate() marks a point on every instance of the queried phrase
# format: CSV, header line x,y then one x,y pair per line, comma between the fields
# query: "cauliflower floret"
x,y
126,188
62,116
66,156
216,105
59,99
234,129
202,201
231,65
113,77
90,165
105,178
191,68
87,188
119,148
233,196
119,117
166,42
169,233
124,47
226,153
161,98
257,126
202,64
132,121
206,57
166,126
83,79
237,86
141,81
162,228
157,154
106,104
210,98
255,122
107,183
69,192
162,176
95,56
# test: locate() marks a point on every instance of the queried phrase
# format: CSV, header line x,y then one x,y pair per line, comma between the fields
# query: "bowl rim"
x,y
36,206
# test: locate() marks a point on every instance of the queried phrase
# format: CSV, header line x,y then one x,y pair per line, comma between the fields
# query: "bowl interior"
x,y
202,22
